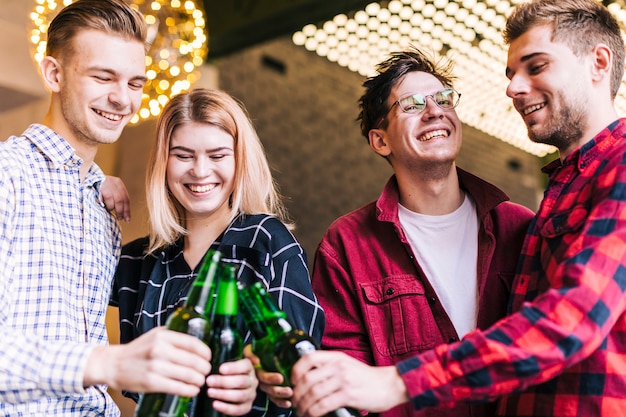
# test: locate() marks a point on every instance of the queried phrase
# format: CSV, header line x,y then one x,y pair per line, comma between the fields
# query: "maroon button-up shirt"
x,y
379,305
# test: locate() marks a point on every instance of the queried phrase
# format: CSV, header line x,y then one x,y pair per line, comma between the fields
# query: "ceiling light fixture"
x,y
177,46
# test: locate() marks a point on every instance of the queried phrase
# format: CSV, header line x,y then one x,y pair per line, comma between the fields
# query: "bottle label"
x,y
227,337
303,347
196,327
284,324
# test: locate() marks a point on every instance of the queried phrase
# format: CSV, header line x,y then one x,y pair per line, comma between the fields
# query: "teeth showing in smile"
x,y
201,188
433,134
110,116
531,109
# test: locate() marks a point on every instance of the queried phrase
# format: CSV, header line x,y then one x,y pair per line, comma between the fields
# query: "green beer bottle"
x,y
226,342
191,318
277,343
265,320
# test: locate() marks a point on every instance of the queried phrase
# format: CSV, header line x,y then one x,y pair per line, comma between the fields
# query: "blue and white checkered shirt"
x,y
58,252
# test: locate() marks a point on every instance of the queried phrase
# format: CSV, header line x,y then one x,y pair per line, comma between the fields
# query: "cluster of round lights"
x,y
468,32
177,42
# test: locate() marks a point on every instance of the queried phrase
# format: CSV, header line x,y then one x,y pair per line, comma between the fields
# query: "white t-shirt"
x,y
446,248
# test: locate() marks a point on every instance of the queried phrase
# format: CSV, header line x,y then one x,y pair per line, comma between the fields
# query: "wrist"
x,y
97,370
398,389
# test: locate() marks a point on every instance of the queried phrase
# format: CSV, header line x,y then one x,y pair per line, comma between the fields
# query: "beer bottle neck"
x,y
260,312
203,288
227,293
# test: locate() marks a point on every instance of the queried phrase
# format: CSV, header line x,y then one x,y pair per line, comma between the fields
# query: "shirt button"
x,y
390,291
432,301
452,340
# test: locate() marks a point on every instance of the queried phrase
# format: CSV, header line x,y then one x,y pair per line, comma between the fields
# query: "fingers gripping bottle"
x,y
277,343
226,342
191,318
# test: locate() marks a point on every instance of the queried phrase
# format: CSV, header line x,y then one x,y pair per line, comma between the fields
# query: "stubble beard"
x,y
563,128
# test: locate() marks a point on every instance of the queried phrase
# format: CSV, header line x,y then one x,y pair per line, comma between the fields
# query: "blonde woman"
x,y
209,185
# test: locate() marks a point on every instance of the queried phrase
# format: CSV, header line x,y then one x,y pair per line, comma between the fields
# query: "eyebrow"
x,y
185,149
509,72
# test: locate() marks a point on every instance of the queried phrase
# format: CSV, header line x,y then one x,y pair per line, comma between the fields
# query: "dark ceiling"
x,y
236,24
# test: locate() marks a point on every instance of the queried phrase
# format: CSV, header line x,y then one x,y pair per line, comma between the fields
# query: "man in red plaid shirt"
x,y
562,350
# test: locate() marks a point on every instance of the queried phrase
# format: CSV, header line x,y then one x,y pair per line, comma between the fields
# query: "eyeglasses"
x,y
414,103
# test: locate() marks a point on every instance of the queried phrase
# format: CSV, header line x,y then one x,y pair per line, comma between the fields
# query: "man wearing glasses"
x,y
433,257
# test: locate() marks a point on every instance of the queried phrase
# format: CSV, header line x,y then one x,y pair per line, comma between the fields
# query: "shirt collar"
x,y
485,195
61,153
591,150
53,146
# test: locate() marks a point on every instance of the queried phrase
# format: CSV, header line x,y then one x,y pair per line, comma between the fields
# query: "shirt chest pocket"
x,y
561,234
398,315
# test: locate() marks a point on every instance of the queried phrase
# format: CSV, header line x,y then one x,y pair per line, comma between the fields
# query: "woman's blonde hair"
x,y
255,191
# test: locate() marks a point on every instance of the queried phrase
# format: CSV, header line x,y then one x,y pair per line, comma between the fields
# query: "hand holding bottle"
x,y
233,389
193,319
277,343
326,380
159,361
271,383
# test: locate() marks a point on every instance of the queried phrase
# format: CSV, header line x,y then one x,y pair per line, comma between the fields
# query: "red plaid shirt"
x,y
563,350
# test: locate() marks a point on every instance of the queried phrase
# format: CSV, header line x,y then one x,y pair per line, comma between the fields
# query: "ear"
x,y
51,73
378,142
602,62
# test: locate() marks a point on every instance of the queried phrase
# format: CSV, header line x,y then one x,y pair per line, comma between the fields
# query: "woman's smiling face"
x,y
201,169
